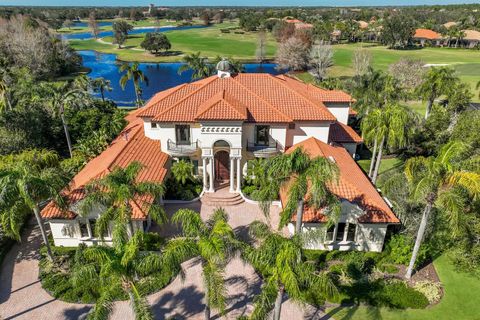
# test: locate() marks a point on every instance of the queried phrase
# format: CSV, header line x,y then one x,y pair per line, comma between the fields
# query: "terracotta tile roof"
x,y
343,133
471,35
427,34
131,145
353,185
266,98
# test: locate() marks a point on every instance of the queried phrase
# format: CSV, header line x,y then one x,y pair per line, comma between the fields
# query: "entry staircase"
x,y
221,197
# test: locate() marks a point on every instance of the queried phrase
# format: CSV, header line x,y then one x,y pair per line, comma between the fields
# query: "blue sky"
x,y
230,2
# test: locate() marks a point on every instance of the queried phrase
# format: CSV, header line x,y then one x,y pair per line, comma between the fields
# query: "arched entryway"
x,y
222,166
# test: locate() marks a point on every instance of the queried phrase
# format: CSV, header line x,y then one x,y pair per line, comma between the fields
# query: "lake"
x,y
161,75
102,34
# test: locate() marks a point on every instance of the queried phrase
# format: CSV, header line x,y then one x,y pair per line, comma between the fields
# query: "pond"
x,y
137,30
161,76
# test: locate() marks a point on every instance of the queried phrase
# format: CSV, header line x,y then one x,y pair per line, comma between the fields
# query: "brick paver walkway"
x,y
22,297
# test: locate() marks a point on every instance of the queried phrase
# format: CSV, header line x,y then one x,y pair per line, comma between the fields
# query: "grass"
x,y
210,41
386,164
459,302
136,24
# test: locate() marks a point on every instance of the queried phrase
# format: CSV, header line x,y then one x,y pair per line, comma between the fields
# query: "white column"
x,y
212,175
232,176
204,164
239,174
345,232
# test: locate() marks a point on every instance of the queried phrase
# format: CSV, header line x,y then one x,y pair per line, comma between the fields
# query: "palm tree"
x,y
305,178
391,126
117,270
27,181
199,65
61,95
214,242
137,76
436,82
100,85
182,171
280,262
435,181
115,194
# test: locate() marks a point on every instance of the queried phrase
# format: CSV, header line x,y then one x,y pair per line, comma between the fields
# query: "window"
x,y
330,231
340,231
153,125
291,126
84,229
351,231
182,134
261,135
92,226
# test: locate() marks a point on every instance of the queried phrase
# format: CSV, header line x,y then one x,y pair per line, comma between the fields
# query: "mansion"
x,y
219,124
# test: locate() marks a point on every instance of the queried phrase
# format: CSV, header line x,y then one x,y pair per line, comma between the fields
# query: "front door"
x,y
222,166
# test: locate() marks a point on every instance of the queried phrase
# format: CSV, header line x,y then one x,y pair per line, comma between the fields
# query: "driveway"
x,y
22,297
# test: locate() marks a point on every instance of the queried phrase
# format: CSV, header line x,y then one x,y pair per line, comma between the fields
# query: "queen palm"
x,y
391,126
199,65
111,271
26,182
101,85
115,195
304,178
435,181
213,242
436,82
284,270
133,72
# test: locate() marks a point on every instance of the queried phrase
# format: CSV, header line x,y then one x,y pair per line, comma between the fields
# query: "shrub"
x,y
388,268
431,290
399,250
248,190
398,295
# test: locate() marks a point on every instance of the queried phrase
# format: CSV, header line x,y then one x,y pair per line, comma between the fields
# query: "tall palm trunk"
x,y
102,93
379,160
278,304
298,226
372,162
36,211
429,108
206,311
419,239
137,95
67,133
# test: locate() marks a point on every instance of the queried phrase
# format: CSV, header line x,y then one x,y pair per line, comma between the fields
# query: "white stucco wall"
x,y
339,110
368,237
306,129
278,132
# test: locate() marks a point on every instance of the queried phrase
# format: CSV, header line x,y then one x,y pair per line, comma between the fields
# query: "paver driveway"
x,y
22,297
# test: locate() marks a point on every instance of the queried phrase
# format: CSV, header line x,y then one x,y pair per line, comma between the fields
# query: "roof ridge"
x,y
173,90
308,99
217,98
213,78
265,101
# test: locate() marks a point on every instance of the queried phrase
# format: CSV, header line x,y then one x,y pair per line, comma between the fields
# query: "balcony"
x,y
263,151
181,148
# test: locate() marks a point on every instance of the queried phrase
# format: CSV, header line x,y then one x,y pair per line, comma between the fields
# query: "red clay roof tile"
x,y
343,133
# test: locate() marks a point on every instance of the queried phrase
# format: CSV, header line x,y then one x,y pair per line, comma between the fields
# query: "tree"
x,y
205,17
100,85
409,72
280,262
390,126
26,181
155,41
398,31
68,23
436,181
133,72
303,178
120,31
362,60
114,194
261,51
5,103
117,270
436,82
478,88
199,65
213,242
293,55
182,171
321,58
93,25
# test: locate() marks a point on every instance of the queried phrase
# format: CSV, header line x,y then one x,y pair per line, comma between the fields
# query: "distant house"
x,y
424,36
299,24
362,24
472,38
450,24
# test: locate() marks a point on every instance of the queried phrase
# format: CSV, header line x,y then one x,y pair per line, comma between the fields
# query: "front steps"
x,y
221,198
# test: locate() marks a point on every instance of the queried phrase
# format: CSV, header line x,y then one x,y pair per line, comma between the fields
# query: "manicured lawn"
x,y
210,41
136,24
385,165
459,302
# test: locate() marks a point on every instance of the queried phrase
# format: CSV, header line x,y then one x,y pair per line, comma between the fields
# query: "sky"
x,y
99,3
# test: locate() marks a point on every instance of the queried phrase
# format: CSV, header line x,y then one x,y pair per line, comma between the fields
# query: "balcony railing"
x,y
263,150
182,148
